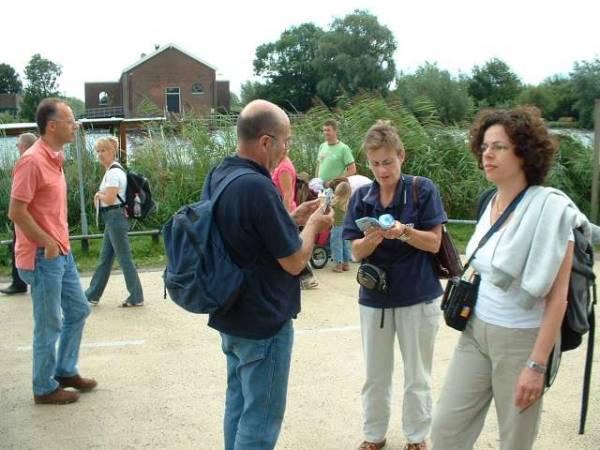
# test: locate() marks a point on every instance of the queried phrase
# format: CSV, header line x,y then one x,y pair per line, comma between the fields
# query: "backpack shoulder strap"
x,y
483,201
225,182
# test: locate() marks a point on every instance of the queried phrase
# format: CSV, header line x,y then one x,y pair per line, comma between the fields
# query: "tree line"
x,y
310,66
41,76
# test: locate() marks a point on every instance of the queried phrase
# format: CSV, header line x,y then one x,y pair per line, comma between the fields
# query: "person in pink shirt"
x,y
284,177
38,208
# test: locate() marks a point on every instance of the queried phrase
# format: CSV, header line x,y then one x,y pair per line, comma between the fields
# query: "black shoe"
x,y
12,289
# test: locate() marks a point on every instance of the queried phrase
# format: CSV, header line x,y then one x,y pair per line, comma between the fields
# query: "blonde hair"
x,y
108,143
342,194
383,135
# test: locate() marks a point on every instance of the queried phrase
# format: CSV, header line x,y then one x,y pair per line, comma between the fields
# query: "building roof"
x,y
162,49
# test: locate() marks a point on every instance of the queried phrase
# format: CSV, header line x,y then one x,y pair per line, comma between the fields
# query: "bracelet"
x,y
536,367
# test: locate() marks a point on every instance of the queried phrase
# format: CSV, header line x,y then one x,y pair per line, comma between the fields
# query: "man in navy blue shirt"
x,y
262,237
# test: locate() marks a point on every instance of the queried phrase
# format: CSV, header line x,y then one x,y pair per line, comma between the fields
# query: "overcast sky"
x,y
95,41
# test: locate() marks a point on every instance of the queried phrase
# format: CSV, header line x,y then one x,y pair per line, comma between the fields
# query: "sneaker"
x,y
416,446
309,283
93,302
57,397
12,290
77,382
128,304
366,445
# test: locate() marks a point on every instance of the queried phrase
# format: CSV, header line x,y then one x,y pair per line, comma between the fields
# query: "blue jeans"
x,y
59,312
115,241
257,380
340,249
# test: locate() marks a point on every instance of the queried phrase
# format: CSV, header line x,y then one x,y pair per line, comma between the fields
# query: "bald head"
x,y
259,118
25,141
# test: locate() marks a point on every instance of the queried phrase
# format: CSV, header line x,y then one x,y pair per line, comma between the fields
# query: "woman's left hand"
x,y
396,231
529,388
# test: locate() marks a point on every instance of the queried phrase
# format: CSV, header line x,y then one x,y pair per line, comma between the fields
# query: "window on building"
x,y
103,98
197,88
173,100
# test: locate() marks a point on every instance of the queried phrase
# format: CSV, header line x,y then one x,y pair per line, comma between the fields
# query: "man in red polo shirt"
x,y
38,207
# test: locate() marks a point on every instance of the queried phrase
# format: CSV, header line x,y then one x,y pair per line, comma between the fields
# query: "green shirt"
x,y
333,160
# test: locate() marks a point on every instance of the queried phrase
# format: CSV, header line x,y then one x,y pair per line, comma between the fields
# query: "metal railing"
x,y
100,113
155,234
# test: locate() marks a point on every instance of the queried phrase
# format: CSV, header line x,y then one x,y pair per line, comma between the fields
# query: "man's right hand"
x,y
52,250
322,221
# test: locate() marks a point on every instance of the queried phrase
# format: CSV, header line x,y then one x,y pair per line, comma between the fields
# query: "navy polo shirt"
x,y
411,277
256,230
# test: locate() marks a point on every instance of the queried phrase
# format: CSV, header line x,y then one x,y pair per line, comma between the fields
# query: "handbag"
x,y
446,262
460,296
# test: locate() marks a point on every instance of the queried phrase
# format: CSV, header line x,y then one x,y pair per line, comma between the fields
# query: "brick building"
x,y
166,81
11,103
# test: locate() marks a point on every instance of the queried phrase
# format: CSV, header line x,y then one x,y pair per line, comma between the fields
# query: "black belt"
x,y
108,208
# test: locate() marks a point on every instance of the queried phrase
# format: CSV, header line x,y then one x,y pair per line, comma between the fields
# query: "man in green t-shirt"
x,y
335,158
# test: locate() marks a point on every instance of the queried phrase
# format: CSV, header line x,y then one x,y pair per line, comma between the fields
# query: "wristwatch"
x,y
536,367
404,236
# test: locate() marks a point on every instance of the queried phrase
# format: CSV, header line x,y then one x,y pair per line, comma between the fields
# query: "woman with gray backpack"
x,y
520,259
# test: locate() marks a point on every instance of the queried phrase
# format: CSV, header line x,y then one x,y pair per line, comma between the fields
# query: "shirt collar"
x,y
372,195
57,158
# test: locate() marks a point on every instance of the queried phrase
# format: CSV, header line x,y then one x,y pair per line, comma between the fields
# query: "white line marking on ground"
x,y
28,348
328,330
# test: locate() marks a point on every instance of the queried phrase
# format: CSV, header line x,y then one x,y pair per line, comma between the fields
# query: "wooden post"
x,y
596,161
123,142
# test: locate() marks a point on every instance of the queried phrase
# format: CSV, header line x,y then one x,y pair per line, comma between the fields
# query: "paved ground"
x,y
162,379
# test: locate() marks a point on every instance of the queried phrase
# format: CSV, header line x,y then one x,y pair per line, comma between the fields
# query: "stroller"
x,y
321,251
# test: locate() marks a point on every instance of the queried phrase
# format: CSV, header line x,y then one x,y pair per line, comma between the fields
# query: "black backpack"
x,y
137,184
580,316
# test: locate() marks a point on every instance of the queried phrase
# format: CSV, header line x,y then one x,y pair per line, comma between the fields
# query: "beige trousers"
x,y
486,365
415,328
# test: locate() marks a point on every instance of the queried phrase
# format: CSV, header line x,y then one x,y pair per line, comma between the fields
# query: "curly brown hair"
x,y
527,132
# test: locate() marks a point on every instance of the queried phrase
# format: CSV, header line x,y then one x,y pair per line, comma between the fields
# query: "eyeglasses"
x,y
68,121
496,147
385,163
286,144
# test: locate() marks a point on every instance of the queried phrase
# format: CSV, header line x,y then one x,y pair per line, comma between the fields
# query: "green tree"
x,y
9,80
356,55
287,66
553,96
42,81
586,89
251,90
77,105
448,94
494,84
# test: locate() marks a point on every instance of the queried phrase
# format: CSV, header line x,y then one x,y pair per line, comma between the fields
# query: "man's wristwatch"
x,y
536,367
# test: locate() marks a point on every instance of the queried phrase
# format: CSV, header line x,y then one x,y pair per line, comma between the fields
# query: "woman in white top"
x,y
110,199
524,268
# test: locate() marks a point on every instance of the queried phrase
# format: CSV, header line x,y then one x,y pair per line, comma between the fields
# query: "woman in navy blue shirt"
x,y
408,311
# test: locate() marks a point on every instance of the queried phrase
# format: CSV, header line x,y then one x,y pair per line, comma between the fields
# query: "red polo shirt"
x,y
39,181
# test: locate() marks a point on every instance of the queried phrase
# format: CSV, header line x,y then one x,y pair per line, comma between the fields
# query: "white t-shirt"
x,y
114,177
495,306
357,181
